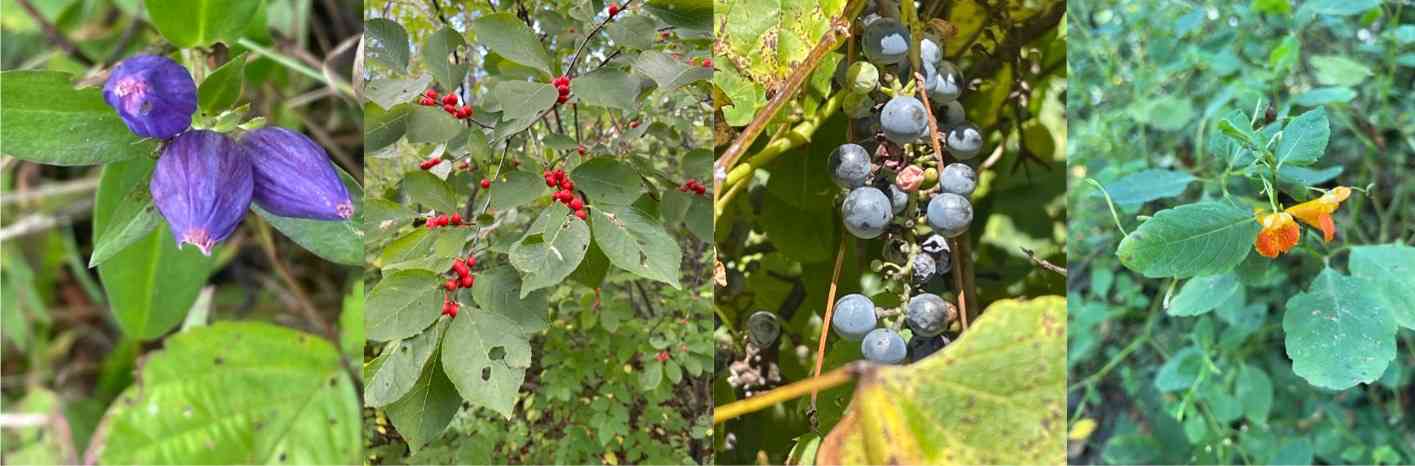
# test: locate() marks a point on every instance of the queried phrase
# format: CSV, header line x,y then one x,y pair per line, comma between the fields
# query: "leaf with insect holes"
x,y
636,242
1340,332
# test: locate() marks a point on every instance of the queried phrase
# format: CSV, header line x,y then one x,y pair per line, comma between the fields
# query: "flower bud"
x,y
202,185
155,96
293,176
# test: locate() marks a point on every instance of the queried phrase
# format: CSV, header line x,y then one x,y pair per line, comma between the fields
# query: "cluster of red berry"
x,y
461,165
693,186
566,192
464,279
438,221
562,84
449,105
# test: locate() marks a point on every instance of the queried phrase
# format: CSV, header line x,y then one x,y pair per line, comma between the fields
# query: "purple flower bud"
x,y
293,176
155,96
202,185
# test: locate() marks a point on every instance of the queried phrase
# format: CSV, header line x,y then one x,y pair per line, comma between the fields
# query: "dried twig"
x,y
1042,262
54,35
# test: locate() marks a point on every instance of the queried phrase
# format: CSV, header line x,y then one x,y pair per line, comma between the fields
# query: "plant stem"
x,y
783,393
339,86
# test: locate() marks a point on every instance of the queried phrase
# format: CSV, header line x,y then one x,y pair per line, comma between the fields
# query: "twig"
x,y
54,35
79,186
783,393
570,69
306,307
829,310
1042,262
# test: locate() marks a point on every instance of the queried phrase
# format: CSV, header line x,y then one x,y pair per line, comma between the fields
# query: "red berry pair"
x,y
693,186
429,163
438,221
613,9
634,124
562,85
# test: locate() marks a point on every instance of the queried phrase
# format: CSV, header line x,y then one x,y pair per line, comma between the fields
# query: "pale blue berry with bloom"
x,y
294,177
202,186
155,96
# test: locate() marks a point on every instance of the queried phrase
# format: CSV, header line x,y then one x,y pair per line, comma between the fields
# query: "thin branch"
x,y
1042,262
829,310
54,35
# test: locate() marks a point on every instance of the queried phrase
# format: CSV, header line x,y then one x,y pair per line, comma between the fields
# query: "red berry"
x,y
581,214
581,149
707,63
564,91
455,261
461,269
431,93
449,108
613,9
450,285
449,308
550,182
456,219
577,204
662,356
485,183
449,99
464,112
567,185
429,163
471,261
427,101
634,124
562,99
468,281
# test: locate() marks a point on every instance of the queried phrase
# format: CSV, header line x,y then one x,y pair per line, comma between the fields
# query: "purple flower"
x,y
293,176
202,185
155,96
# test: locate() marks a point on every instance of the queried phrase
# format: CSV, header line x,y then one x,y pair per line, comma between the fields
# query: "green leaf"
x,y
651,375
1392,268
1180,370
1205,238
551,249
670,74
383,128
517,189
746,97
339,242
351,321
504,34
593,268
1202,294
1255,393
134,218
430,191
608,88
1336,70
427,409
1305,138
238,393
150,284
402,367
524,101
1339,332
692,15
1135,189
1285,54
1307,176
771,39
997,395
1324,95
48,121
201,23
388,93
1343,7
437,54
633,31
431,125
386,42
423,249
222,88
493,342
1166,113
403,304
607,181
636,242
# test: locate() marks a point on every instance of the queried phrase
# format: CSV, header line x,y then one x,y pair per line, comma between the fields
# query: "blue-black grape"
x,y
867,212
947,85
924,268
950,214
964,141
884,346
935,245
886,41
763,328
958,178
853,317
929,51
929,315
921,347
953,115
904,119
849,166
898,199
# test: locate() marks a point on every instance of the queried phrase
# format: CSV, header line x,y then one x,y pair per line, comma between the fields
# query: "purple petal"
x,y
155,96
293,176
202,185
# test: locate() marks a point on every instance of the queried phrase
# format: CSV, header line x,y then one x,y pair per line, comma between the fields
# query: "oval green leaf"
x,y
1205,238
48,121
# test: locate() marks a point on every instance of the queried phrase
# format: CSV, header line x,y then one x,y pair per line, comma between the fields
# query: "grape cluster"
x,y
896,188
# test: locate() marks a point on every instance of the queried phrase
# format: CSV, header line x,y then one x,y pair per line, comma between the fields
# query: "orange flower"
x,y
1317,212
1279,234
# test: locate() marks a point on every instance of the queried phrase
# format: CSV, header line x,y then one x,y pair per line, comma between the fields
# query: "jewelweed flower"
x,y
294,177
155,96
202,185
1317,212
1279,233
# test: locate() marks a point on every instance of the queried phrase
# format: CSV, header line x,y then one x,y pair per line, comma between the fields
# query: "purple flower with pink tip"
x,y
202,185
294,177
155,96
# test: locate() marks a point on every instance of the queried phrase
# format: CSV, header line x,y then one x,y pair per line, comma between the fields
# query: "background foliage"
x,y
778,229
114,340
1227,367
583,341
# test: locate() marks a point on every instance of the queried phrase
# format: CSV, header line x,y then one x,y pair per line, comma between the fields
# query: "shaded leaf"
x,y
1204,238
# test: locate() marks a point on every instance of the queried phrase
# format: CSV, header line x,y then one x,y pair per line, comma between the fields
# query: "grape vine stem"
x,y
829,311
783,393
